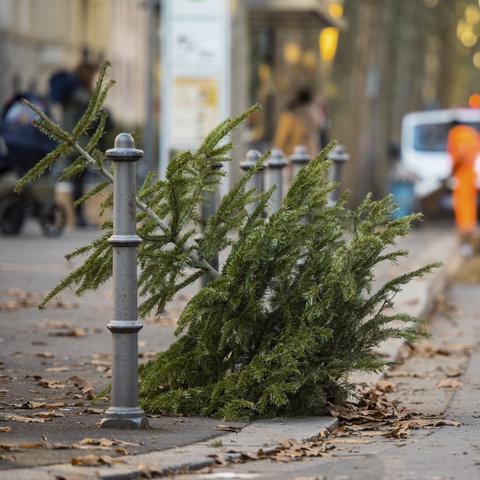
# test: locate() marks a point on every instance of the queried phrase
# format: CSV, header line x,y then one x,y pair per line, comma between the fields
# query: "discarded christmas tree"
x,y
291,311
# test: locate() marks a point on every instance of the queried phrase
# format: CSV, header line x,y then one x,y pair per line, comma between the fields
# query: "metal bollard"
x,y
124,411
338,156
257,180
276,164
299,158
208,209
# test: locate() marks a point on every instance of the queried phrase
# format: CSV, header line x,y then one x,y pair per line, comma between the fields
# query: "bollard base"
x,y
124,419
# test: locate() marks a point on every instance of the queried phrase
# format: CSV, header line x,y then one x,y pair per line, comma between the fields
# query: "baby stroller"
x,y
22,145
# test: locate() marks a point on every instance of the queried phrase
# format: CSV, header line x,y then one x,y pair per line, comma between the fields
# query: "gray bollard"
x,y
276,164
124,412
257,180
338,156
208,209
299,158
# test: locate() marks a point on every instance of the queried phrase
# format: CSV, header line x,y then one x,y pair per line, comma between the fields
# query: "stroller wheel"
x,y
12,216
53,218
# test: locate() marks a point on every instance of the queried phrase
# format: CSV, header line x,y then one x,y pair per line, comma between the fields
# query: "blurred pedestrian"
x,y
72,91
463,145
298,125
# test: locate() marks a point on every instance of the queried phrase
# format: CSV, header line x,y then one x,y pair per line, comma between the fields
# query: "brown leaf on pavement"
x,y
73,332
219,459
91,460
103,443
30,405
121,451
21,418
83,385
48,414
54,445
5,429
45,355
149,471
94,411
375,415
56,405
50,383
386,386
449,383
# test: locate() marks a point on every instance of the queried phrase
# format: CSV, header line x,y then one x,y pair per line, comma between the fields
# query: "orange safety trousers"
x,y
463,146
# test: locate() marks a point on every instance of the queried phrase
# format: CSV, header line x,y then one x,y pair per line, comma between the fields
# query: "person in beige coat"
x,y
298,125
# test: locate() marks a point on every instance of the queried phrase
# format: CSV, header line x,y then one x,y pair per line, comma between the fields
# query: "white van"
x,y
423,153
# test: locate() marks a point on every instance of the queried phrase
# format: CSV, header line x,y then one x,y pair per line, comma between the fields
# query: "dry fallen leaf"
x,y
48,414
23,419
104,444
91,460
50,383
54,445
31,405
386,386
449,383
74,332
148,471
83,385
219,459
45,354
5,429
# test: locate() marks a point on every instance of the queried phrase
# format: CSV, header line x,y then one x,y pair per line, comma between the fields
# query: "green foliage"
x,y
292,311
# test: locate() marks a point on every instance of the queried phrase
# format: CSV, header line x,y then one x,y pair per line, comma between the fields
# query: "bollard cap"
x,y
339,154
300,155
124,149
251,159
277,159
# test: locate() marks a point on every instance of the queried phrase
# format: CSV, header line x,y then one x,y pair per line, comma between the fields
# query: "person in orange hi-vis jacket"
x,y
463,145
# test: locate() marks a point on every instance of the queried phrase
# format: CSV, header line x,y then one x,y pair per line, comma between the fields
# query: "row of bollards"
x,y
278,161
124,412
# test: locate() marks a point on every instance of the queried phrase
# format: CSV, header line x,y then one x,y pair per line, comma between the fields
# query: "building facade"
x,y
275,49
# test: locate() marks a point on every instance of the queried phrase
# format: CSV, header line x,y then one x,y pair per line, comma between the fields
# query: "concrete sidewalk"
x,y
52,361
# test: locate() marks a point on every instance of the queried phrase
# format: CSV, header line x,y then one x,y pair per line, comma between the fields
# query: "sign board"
x,y
195,73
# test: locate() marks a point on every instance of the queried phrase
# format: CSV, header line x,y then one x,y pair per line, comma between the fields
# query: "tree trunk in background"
x,y
345,109
409,77
360,113
394,57
240,81
450,91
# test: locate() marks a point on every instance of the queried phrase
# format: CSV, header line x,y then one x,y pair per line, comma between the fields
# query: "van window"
x,y
433,137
